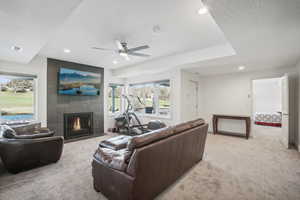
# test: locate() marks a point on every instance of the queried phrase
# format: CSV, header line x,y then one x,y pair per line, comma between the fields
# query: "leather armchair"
x,y
27,150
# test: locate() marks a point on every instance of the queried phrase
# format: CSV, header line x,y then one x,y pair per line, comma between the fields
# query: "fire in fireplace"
x,y
78,125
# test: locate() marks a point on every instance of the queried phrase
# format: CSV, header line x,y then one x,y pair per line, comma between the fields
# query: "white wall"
x,y
38,67
267,95
188,94
109,78
231,94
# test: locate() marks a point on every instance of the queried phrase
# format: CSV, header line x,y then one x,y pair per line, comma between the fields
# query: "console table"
x,y
247,120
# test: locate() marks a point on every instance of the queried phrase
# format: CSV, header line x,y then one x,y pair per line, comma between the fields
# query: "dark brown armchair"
x,y
22,151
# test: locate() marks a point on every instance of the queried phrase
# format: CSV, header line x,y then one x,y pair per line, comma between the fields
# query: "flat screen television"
x,y
75,82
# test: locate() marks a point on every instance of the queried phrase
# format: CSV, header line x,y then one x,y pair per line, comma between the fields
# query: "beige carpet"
x,y
233,168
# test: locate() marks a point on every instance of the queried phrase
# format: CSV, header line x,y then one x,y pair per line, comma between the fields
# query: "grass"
x,y
11,102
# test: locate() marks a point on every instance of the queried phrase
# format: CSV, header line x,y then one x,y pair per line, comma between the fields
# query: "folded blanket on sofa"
x,y
116,143
113,159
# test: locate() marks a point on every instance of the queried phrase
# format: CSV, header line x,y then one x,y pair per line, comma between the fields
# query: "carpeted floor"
x,y
233,168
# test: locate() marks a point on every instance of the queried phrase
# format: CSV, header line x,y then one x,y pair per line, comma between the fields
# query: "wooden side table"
x,y
247,120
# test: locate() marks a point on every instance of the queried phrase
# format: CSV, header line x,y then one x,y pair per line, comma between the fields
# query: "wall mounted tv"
x,y
75,82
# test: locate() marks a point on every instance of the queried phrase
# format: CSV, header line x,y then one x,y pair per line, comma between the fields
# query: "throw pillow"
x,y
8,132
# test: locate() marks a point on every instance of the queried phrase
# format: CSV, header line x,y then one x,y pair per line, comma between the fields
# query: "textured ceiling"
x,y
258,34
99,23
30,24
264,33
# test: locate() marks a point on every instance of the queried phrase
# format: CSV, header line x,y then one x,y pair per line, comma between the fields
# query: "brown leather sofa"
x,y
21,151
150,162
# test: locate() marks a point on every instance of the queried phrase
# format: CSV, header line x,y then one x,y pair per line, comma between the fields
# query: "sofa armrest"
x,y
113,159
112,183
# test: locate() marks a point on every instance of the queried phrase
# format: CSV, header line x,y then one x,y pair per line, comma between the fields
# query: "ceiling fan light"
x,y
123,54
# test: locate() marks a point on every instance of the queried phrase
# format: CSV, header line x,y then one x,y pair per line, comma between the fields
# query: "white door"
x,y
192,100
285,110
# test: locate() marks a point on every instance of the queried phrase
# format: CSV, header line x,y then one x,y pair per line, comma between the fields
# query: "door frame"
x,y
252,92
197,86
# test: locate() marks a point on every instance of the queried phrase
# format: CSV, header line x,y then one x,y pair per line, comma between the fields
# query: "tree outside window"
x,y
164,92
155,98
145,93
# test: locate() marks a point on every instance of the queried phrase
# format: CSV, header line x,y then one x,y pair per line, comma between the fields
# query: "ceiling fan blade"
x,y
119,45
138,54
103,49
138,48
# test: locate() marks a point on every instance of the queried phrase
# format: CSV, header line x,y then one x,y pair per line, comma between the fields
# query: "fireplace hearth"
x,y
78,125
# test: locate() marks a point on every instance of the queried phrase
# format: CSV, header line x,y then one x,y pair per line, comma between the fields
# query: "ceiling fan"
x,y
124,51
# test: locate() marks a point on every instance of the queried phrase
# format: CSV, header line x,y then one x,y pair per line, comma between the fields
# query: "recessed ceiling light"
x,y
202,10
241,68
16,48
67,50
115,62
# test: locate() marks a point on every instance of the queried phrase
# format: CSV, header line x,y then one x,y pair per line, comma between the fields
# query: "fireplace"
x,y
78,125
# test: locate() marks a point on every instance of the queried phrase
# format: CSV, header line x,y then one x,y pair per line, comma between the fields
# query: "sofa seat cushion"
x,y
147,138
113,159
116,143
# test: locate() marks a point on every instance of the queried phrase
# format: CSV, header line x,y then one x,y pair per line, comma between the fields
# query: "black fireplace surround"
x,y
58,105
78,125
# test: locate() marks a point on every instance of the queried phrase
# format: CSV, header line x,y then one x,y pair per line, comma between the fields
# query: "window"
x,y
114,95
151,98
17,98
143,98
164,97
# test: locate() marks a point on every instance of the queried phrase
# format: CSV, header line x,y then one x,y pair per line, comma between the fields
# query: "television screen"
x,y
75,82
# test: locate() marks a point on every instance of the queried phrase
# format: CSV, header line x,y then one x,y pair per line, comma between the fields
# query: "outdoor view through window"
x,y
154,98
16,98
114,95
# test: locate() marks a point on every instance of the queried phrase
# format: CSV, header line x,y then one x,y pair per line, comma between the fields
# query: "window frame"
x,y
34,93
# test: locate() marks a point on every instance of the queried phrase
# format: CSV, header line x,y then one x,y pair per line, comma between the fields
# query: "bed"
x,y
268,119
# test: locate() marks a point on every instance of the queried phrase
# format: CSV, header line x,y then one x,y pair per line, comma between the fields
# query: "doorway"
x,y
267,107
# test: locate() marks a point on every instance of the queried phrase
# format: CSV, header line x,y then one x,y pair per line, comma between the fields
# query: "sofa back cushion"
x,y
148,138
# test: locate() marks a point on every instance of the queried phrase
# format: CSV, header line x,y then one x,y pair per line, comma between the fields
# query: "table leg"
x,y
248,125
215,125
